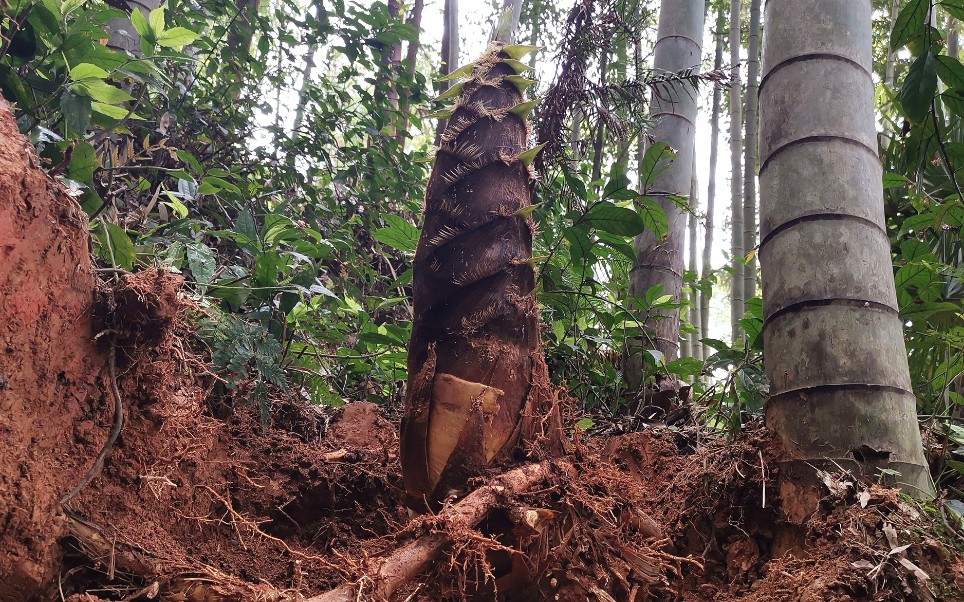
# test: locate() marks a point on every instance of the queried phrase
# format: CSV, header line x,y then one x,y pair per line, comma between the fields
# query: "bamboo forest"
x,y
515,300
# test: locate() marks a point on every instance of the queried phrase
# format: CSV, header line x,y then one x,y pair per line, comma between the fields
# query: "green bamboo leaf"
x,y
527,157
518,66
517,51
452,92
442,113
523,109
463,71
521,83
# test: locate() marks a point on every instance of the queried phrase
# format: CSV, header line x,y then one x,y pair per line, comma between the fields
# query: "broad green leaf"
x,y
70,6
443,113
920,86
267,268
112,111
179,208
580,247
611,218
655,161
176,37
245,226
916,250
139,21
85,71
213,185
620,244
83,163
587,423
653,215
920,312
952,367
101,91
121,248
200,260
955,8
894,180
156,20
663,300
716,344
752,326
685,366
950,214
654,292
190,160
617,188
76,110
54,7
954,101
399,234
910,20
950,70
914,275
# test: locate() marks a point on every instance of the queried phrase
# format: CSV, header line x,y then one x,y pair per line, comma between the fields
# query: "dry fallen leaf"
x,y
891,533
918,572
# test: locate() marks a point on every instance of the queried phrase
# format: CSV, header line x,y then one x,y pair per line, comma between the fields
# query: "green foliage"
x,y
924,211
243,352
299,236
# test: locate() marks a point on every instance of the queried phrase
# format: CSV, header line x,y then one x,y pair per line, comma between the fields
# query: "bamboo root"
x,y
406,563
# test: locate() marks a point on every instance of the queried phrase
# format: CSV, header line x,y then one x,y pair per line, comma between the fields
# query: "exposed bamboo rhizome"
x,y
478,385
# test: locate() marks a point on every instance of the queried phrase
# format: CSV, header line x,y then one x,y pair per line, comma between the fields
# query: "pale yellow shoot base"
x,y
453,402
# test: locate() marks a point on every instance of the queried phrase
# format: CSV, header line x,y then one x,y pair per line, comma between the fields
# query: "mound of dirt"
x,y
51,389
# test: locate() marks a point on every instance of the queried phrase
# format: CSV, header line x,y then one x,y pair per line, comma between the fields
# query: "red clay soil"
x,y
51,399
200,501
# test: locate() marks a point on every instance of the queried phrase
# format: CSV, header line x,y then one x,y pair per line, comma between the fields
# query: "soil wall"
x,y
52,412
